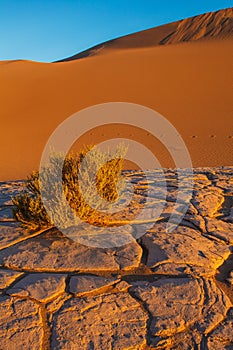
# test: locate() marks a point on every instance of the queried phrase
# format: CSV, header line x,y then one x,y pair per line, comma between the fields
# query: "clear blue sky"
x,y
49,30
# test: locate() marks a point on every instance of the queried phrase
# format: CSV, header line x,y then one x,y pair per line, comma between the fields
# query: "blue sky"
x,y
49,30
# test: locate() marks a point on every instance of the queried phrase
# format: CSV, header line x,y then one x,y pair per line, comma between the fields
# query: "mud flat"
x,y
161,291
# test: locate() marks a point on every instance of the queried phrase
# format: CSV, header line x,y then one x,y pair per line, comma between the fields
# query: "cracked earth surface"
x,y
162,291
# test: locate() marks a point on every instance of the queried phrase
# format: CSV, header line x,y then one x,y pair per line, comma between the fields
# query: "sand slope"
x,y
210,25
189,83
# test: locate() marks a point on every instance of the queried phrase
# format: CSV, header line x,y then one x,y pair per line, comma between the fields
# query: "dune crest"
x,y
210,25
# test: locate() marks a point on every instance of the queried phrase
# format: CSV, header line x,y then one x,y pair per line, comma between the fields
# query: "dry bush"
x,y
29,209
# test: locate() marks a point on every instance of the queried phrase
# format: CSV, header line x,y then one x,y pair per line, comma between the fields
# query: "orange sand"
x,y
188,83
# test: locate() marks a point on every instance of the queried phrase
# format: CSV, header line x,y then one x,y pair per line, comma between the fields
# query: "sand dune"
x,y
189,83
210,25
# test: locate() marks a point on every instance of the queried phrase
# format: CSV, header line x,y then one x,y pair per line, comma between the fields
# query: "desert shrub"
x,y
77,170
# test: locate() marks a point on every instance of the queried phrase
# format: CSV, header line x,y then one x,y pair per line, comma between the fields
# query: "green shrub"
x,y
30,211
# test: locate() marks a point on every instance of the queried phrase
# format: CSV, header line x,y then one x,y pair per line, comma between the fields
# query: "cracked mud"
x,y
162,291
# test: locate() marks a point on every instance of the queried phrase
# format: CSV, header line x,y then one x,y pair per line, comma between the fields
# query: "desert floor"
x,y
161,291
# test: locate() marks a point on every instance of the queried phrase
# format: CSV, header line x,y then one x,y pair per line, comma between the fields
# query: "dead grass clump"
x,y
29,208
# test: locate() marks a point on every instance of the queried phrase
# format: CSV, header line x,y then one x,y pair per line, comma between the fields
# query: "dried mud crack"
x,y
161,291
